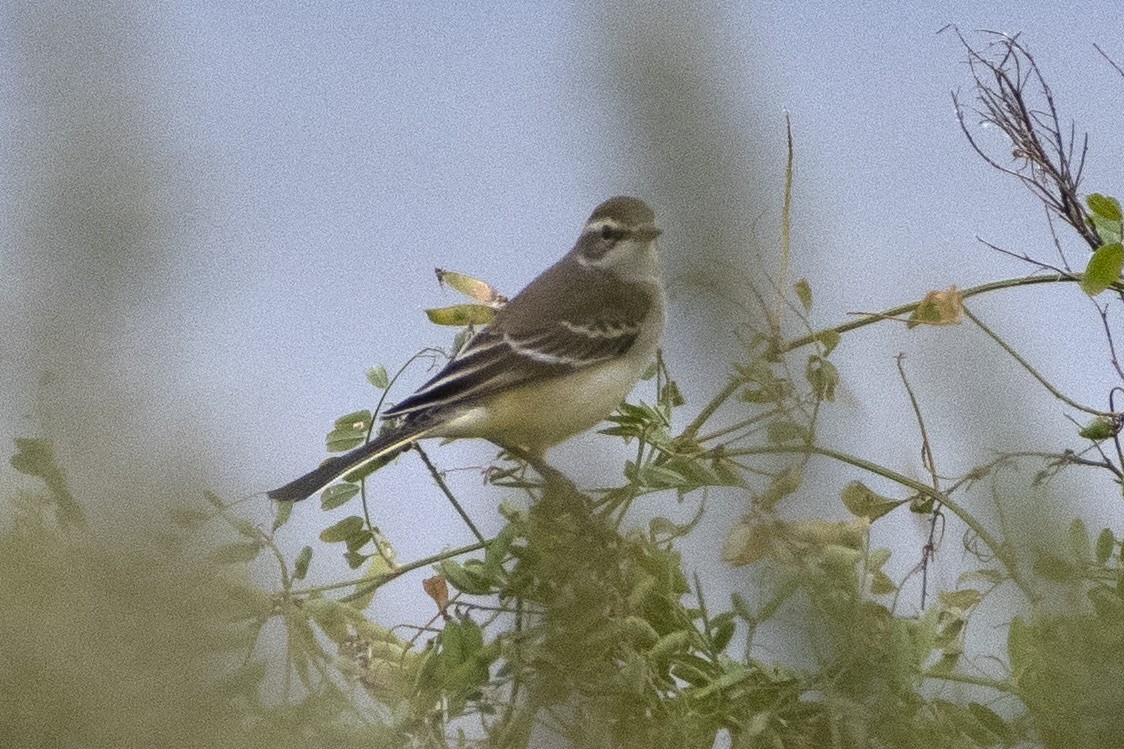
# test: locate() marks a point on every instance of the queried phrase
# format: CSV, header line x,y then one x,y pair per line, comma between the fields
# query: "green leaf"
x,y
829,339
350,431
330,616
991,721
783,484
36,457
1099,428
300,565
337,495
245,527
864,503
1078,540
234,553
1103,269
378,377
358,420
938,308
461,315
343,530
284,512
785,431
723,631
881,583
963,599
460,640
670,644
983,575
469,579
822,376
1108,229
639,632
671,395
358,540
1020,646
694,671
1054,568
1104,206
661,527
654,476
462,658
303,646
803,291
921,504
1107,603
742,608
354,559
878,558
1105,542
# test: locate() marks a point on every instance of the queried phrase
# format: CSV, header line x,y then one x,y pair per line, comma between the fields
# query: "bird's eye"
x,y
611,233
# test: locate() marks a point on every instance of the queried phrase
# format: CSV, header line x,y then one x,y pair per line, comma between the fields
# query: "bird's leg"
x,y
556,481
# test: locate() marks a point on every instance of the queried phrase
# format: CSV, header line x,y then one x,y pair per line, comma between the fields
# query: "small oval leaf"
x,y
1104,206
461,315
378,377
803,291
300,566
1103,269
284,512
337,495
1105,542
342,530
864,503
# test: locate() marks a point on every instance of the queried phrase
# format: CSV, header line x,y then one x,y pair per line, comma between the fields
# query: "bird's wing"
x,y
536,336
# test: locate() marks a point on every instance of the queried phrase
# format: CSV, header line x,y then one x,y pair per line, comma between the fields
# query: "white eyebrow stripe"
x,y
601,223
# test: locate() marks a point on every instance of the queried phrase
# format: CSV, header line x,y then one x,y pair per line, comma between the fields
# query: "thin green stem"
x,y
861,322
777,317
904,309
1034,373
396,572
714,404
981,681
448,493
748,422
954,507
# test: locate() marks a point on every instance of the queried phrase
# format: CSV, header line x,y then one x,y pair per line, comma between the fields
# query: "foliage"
x,y
578,624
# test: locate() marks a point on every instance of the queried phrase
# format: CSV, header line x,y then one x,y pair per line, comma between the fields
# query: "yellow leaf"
x,y
461,315
939,308
473,288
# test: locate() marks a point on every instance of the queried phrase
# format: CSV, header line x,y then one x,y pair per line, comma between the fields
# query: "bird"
x,y
553,362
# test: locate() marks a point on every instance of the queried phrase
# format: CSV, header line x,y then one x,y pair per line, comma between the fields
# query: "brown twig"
x,y
1013,96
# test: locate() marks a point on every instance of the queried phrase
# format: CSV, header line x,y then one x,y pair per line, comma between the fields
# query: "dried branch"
x,y
1046,157
1111,62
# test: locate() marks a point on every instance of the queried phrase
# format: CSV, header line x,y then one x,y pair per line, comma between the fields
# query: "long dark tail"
x,y
386,445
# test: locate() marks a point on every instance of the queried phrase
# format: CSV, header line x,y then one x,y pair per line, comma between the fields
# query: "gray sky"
x,y
295,173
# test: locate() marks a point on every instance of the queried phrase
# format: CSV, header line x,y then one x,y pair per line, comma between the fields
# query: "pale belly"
x,y
534,417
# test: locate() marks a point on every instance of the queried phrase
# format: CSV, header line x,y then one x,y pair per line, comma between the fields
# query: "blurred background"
x,y
217,216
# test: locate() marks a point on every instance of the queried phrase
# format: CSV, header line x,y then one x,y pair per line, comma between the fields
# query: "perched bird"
x,y
557,359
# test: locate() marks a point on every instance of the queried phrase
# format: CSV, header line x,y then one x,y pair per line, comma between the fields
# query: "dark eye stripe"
x,y
612,233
